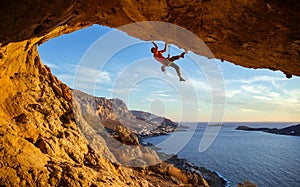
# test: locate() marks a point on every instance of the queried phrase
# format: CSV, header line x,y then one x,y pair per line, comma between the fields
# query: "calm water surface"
x,y
268,160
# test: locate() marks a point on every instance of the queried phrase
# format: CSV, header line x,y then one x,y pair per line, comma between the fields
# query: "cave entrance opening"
x,y
250,93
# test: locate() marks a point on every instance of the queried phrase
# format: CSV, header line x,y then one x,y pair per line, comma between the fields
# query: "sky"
x,y
108,63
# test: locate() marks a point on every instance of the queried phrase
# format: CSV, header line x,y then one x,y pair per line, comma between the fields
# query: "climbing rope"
x,y
169,51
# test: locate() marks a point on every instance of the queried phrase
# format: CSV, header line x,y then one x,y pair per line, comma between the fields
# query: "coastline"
x,y
214,178
292,130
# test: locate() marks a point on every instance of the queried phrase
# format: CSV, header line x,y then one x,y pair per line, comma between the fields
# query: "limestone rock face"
x,y
44,143
254,34
41,144
115,127
112,113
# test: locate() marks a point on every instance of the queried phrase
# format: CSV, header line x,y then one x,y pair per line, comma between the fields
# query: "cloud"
x,y
84,78
254,79
263,98
292,95
71,67
200,85
258,91
274,94
161,93
264,78
89,75
232,93
123,90
50,65
248,110
173,100
104,77
261,94
66,78
254,89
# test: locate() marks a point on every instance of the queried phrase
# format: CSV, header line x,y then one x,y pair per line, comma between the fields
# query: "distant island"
x,y
293,130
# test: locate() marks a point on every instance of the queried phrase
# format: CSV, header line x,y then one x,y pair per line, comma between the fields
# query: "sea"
x,y
267,160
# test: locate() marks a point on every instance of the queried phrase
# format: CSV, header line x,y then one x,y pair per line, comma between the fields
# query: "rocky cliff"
x,y
99,110
45,142
41,144
254,34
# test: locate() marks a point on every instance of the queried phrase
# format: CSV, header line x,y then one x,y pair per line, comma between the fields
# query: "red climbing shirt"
x,y
159,57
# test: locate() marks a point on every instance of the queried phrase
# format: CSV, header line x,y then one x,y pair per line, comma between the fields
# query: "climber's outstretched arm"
x,y
154,45
161,51
164,50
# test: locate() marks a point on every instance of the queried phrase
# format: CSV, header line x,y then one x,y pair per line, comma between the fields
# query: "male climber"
x,y
167,61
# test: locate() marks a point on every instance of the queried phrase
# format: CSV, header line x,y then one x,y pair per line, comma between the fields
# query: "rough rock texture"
x,y
109,113
250,33
140,122
108,123
40,142
43,145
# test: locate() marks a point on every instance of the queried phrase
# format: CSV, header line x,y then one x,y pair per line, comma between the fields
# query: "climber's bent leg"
x,y
177,68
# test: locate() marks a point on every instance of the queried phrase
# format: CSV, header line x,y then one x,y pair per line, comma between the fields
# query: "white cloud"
x,y
200,84
83,78
71,67
104,77
292,94
274,95
255,89
259,91
50,65
264,78
123,92
248,110
262,98
162,95
232,93
167,100
66,78
254,79
263,93
89,75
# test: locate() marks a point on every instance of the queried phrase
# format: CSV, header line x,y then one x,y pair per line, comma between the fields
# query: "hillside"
x,y
293,130
162,125
99,110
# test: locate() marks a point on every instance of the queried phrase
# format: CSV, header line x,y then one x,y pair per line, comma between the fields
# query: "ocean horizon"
x,y
262,158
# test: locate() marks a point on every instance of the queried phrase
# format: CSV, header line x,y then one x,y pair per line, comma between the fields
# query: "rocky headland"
x,y
293,130
111,119
211,177
143,124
